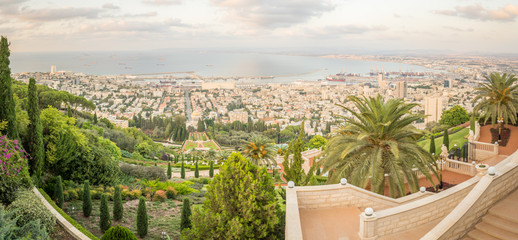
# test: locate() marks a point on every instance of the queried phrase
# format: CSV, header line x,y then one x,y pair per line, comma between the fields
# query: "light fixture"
x,y
369,211
422,189
343,181
491,171
291,184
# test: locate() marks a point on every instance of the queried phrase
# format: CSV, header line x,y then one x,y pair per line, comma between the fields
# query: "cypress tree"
x,y
35,132
104,222
7,112
196,171
446,139
58,193
211,169
87,199
118,209
95,118
168,170
182,172
432,144
185,221
142,220
318,171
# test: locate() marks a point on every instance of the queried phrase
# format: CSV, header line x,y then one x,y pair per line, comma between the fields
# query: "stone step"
x,y
501,223
467,238
496,232
475,234
506,209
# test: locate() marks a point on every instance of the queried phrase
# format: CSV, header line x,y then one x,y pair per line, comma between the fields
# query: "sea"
x,y
284,68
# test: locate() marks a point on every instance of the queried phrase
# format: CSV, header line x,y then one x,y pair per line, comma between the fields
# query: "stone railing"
x,y
73,231
408,216
484,150
336,195
477,132
475,205
459,167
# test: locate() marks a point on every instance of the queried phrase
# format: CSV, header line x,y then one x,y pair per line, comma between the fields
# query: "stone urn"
x,y
481,169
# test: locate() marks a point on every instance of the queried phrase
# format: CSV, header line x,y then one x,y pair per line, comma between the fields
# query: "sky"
x,y
442,26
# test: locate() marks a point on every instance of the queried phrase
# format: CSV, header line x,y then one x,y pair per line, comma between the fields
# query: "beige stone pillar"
x,y
368,226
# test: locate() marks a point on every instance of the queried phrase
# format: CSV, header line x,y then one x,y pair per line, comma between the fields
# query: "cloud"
x,y
507,13
132,26
162,2
110,6
459,29
272,13
54,14
344,30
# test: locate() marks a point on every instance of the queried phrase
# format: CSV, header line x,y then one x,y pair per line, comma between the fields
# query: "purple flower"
x,y
15,141
8,155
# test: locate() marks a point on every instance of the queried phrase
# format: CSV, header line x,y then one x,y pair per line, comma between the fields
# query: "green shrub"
x,y
118,233
58,193
87,199
211,169
143,172
125,153
142,218
68,218
29,207
10,230
118,209
181,188
104,222
182,174
169,170
14,174
185,221
196,171
170,192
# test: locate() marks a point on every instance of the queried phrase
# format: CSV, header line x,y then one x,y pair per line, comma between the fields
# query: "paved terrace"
x,y
329,219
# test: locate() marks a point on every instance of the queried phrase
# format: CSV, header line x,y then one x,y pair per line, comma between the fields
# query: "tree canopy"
x,y
454,116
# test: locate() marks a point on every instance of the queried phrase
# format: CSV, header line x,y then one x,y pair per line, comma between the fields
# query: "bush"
x,y
104,222
170,192
29,207
87,199
143,172
118,208
118,233
160,195
14,171
125,153
9,229
142,219
58,193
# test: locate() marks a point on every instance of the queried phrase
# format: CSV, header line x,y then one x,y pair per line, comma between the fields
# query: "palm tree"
x,y
497,98
222,156
377,147
259,150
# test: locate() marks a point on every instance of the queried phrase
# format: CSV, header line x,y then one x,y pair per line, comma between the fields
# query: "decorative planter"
x,y
481,169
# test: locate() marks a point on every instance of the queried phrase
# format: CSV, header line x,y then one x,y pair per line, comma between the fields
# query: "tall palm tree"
x,y
222,156
497,98
260,150
377,147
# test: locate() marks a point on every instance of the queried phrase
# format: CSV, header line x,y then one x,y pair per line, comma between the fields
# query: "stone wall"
x,y
486,193
416,213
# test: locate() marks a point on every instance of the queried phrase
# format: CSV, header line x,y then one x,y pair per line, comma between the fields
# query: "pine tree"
x,y
7,112
118,208
168,170
185,221
182,172
58,193
211,169
432,145
446,139
87,199
142,219
293,170
95,118
35,132
104,222
196,170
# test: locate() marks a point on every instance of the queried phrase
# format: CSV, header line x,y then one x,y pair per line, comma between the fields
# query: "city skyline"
x,y
445,27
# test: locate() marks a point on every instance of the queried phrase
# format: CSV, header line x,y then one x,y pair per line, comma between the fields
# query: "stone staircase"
x,y
500,222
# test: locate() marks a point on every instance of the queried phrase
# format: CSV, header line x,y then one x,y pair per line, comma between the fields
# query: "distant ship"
x,y
339,77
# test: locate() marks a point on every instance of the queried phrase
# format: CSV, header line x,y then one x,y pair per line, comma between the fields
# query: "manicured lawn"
x,y
190,145
456,138
163,216
210,145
